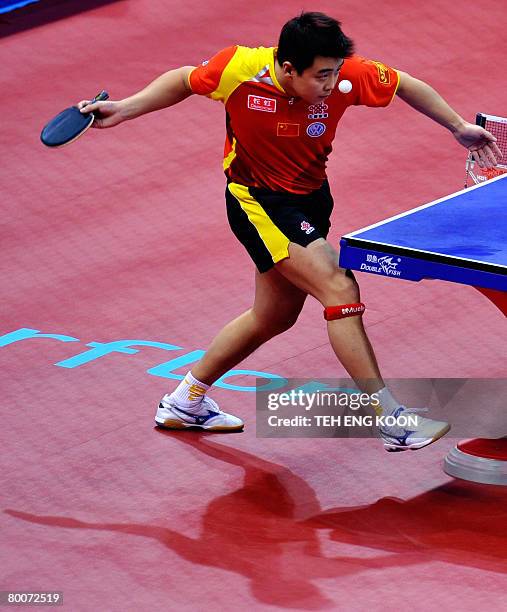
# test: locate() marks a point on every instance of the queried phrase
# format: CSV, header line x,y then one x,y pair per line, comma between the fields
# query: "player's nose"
x,y
331,83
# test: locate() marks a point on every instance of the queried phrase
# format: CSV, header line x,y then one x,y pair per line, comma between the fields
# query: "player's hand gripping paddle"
x,y
69,124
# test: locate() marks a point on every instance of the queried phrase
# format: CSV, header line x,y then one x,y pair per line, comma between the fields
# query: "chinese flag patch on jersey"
x,y
287,129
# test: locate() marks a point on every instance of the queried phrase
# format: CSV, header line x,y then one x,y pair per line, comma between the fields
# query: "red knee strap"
x,y
345,310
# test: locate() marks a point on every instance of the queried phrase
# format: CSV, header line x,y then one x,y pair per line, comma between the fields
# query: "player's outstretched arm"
x,y
166,90
426,100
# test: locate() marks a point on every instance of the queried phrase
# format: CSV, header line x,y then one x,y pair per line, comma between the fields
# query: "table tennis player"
x,y
282,108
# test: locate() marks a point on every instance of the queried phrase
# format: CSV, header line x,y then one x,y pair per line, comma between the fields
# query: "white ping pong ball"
x,y
345,86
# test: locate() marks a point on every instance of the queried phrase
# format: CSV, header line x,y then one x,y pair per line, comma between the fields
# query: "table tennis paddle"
x,y
69,125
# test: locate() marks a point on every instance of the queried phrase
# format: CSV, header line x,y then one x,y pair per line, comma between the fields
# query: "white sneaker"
x,y
208,416
398,438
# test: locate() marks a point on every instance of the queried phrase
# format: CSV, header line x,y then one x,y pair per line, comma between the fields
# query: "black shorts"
x,y
266,222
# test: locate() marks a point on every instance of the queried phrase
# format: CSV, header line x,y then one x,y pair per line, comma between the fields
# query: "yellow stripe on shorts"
x,y
274,240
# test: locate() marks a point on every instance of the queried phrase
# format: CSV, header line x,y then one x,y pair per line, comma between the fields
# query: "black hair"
x,y
304,38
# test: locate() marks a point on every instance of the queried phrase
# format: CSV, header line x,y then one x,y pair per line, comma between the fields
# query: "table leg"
x,y
482,459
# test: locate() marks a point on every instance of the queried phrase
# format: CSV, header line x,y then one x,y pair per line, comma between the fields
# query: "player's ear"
x,y
288,69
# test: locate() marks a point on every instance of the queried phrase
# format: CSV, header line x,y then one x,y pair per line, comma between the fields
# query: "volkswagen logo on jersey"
x,y
315,129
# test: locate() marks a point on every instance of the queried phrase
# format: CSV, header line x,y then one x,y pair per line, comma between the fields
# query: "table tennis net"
x,y
498,127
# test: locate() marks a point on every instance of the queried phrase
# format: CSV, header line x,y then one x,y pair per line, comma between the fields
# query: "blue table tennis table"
x,y
460,238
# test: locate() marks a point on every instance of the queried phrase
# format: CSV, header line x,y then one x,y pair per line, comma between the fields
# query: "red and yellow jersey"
x,y
275,141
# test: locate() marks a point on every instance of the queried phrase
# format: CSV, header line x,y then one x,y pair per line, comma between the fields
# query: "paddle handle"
x,y
103,95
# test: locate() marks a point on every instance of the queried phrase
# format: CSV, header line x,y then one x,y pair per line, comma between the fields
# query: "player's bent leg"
x,y
315,269
276,307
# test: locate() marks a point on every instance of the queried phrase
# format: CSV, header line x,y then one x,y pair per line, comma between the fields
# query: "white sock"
x,y
189,392
388,405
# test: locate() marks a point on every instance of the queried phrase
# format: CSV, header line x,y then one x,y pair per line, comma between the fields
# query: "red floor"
x,y
122,236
